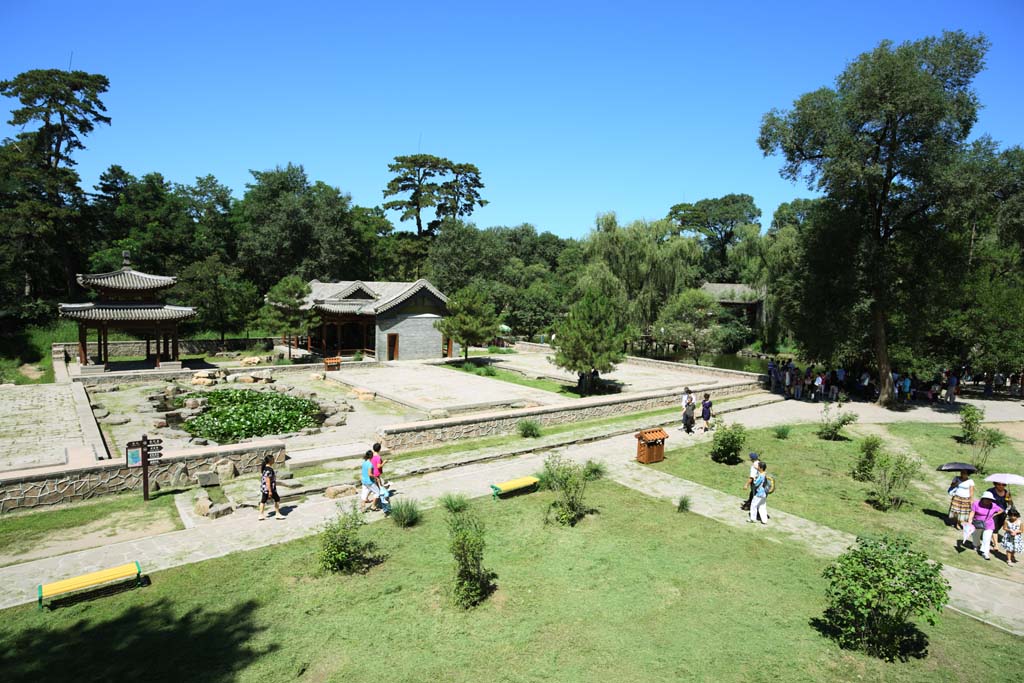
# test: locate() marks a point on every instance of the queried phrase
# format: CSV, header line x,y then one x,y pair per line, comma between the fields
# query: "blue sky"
x,y
569,109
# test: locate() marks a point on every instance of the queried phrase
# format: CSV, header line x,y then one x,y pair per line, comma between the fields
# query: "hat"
x,y
754,456
988,494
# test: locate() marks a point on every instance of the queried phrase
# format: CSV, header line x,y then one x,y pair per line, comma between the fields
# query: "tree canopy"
x,y
452,190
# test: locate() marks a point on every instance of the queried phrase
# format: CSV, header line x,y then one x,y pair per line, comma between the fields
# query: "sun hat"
x,y
988,494
754,456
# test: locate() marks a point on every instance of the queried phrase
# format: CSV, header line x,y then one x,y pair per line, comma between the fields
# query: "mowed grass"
x,y
515,378
814,482
19,531
635,592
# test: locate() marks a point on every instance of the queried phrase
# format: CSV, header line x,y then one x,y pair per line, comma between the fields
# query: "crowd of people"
x,y
987,522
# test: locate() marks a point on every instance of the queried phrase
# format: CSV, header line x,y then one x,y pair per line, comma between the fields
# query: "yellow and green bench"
x,y
513,485
132,570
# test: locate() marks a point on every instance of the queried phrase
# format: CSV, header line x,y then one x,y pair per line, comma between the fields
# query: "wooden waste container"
x,y
650,445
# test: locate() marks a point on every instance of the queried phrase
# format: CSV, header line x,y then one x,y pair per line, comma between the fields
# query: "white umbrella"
x,y
1002,478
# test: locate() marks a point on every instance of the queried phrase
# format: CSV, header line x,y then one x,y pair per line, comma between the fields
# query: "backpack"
x,y
769,484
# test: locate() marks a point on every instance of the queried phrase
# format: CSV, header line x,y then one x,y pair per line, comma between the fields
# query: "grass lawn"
x,y
637,592
21,531
814,482
515,378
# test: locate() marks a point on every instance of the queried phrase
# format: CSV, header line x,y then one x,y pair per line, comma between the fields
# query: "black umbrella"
x,y
957,467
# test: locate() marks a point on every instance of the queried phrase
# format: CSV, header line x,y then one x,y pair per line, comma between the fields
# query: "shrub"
x,y
486,371
357,356
970,422
868,610
528,429
454,502
833,419
988,439
569,481
405,513
473,582
870,447
782,431
594,470
235,414
683,505
341,549
727,443
469,366
891,476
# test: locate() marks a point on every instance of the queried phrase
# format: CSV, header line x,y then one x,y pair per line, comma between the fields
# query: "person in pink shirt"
x,y
982,518
377,467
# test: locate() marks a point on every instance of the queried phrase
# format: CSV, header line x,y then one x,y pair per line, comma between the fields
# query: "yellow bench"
x,y
513,485
125,571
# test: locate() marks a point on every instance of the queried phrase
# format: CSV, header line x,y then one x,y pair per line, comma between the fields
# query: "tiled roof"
x,y
117,312
126,279
329,297
729,293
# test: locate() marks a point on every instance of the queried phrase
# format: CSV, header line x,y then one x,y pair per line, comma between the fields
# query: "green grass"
x,y
937,444
20,531
637,592
813,482
522,380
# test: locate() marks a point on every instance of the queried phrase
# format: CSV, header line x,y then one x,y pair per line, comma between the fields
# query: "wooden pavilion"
x,y
126,300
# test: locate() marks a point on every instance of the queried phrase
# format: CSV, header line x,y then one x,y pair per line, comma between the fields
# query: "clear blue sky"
x,y
569,109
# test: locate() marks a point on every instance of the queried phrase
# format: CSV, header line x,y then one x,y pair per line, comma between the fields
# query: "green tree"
x,y
717,222
877,145
691,317
224,301
471,318
591,338
451,190
284,311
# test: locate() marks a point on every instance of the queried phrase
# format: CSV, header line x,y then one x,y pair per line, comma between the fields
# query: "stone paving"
x,y
37,424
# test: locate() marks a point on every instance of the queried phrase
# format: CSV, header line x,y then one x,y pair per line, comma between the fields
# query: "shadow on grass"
x,y
141,643
906,642
937,514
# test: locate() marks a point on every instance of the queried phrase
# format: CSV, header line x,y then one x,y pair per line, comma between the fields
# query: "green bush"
x,y
454,502
569,481
833,419
341,549
357,356
472,582
869,611
528,429
782,431
891,476
405,513
235,414
971,418
870,447
594,470
486,371
987,440
727,443
683,505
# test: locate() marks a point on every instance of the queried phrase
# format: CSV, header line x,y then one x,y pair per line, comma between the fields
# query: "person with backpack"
x,y
754,471
268,488
762,486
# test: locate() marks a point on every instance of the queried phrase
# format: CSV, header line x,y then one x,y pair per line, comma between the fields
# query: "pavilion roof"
x,y
126,279
732,293
125,312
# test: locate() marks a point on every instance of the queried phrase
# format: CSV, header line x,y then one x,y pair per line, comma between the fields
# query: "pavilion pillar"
x,y
99,344
147,347
83,345
167,346
309,339
174,348
323,339
106,348
157,339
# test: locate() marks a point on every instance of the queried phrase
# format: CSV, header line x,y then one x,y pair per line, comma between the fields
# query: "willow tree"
x,y
878,145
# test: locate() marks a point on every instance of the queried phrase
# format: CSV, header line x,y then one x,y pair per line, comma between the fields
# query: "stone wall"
x,y
411,435
176,469
417,337
168,375
185,346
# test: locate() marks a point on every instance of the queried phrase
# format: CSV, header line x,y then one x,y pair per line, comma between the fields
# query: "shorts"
x,y
264,496
368,491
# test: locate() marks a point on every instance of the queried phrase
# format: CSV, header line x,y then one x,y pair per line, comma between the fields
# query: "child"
x,y
1012,541
377,467
370,491
705,412
268,488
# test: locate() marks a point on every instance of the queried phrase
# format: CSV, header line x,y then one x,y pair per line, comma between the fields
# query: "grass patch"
x,y
815,483
573,616
515,378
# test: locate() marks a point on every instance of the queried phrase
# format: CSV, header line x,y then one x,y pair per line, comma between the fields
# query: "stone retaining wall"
x,y
178,468
401,437
168,375
185,346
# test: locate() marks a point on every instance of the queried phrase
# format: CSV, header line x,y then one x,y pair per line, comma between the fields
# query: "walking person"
x,y
951,388
689,405
268,488
1004,499
962,492
706,413
759,502
981,519
754,471
1011,540
370,493
377,468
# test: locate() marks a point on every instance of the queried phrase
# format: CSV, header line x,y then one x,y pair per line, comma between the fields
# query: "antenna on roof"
x,y
126,259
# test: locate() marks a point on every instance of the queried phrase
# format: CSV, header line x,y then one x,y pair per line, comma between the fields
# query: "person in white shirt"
x,y
962,492
754,471
689,405
759,503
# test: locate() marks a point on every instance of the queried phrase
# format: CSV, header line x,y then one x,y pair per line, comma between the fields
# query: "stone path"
x,y
37,424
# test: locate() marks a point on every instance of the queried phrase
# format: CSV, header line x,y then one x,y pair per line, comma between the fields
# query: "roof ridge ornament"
x,y
126,260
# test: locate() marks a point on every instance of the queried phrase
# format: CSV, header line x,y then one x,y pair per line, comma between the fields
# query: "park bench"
x,y
332,363
131,570
513,485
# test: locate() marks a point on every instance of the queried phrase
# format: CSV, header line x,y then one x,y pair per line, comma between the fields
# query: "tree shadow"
x,y
938,514
908,641
147,642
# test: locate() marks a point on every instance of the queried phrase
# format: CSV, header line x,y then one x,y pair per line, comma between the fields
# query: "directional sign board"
x,y
134,444
155,441
154,449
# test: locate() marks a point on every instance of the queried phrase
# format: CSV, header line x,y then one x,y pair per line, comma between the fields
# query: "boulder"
x,y
246,379
159,424
285,475
340,490
263,376
180,476
336,420
231,379
220,510
203,374
100,413
194,403
116,420
96,406
251,360
203,381
207,478
439,414
225,469
203,503
317,376
172,390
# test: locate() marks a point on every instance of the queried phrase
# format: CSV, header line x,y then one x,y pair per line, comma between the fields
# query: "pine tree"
x,y
471,318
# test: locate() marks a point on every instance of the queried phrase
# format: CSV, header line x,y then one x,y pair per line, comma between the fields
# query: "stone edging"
x,y
157,375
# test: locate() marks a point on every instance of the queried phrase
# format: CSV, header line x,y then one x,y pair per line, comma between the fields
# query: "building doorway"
x,y
392,347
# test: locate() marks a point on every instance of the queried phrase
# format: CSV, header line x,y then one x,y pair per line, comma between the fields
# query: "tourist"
x,y
833,385
1001,495
1012,542
754,460
370,492
689,405
268,488
841,379
951,387
773,375
788,377
962,492
759,503
706,413
377,468
982,518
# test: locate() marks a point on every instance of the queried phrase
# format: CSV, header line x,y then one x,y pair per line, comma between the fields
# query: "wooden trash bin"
x,y
650,445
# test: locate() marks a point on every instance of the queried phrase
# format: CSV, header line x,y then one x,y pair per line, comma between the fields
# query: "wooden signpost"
x,y
139,453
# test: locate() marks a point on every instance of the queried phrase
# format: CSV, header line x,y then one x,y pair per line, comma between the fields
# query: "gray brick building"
x,y
389,320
